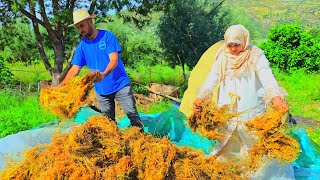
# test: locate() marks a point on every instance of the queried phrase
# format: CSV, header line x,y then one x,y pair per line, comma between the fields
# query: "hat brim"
x,y
91,16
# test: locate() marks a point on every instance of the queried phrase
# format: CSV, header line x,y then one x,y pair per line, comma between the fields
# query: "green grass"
x,y
159,73
20,112
29,74
315,135
33,73
304,93
159,107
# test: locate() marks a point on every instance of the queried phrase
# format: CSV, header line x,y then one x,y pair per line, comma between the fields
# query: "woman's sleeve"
x,y
268,80
210,82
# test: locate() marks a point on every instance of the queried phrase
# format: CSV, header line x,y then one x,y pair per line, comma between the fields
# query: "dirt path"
x,y
308,122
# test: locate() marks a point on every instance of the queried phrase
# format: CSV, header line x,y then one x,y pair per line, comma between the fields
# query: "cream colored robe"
x,y
255,85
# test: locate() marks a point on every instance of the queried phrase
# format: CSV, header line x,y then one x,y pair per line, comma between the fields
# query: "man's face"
x,y
85,28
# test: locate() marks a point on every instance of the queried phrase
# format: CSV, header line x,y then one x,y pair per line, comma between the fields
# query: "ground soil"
x,y
307,122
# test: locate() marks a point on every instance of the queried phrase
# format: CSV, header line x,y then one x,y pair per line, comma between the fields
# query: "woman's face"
x,y
235,48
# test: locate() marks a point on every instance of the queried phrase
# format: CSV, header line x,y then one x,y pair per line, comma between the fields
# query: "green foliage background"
x,y
17,42
145,49
187,28
139,46
290,48
264,14
5,74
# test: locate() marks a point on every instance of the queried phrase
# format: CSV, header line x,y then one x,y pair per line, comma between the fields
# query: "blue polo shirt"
x,y
95,54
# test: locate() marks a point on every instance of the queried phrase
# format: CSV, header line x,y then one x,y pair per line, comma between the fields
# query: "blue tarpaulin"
x,y
172,124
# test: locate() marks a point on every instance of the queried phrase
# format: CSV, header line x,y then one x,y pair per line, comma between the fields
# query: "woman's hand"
x,y
196,105
280,104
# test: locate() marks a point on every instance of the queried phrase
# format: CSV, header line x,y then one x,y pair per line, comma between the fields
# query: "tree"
x,y
11,37
189,27
55,16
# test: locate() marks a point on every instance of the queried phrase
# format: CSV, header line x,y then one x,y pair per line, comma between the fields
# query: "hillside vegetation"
x,y
267,13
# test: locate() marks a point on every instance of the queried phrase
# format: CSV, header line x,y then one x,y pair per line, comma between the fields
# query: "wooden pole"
x,y
149,75
158,93
178,76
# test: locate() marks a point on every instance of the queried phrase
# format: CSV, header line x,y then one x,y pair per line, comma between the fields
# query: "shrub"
x,y
289,47
5,74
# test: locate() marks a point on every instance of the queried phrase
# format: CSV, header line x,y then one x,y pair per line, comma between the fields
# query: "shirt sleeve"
x,y
78,57
268,80
112,44
211,81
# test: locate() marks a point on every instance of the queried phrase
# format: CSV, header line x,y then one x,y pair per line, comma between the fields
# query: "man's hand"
x,y
196,105
44,84
111,66
100,76
280,104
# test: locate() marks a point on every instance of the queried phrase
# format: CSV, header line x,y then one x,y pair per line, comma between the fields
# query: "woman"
x,y
244,78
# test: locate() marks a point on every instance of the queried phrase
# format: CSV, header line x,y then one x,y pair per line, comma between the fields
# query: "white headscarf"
x,y
234,34
240,35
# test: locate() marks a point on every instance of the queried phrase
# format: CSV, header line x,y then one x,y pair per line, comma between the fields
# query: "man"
x,y
100,51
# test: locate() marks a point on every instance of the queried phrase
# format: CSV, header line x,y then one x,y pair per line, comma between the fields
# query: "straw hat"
x,y
80,15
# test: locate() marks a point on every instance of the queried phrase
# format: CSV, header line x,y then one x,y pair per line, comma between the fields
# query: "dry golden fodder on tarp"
x,y
210,120
153,157
97,150
120,170
65,101
193,165
77,154
272,142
